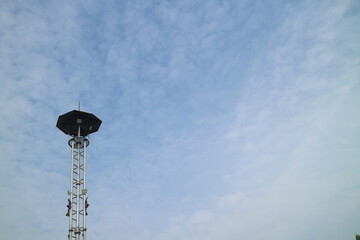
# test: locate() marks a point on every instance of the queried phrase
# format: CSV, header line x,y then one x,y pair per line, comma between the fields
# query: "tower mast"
x,y
78,125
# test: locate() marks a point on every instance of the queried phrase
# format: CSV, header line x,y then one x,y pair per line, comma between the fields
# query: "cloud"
x,y
220,120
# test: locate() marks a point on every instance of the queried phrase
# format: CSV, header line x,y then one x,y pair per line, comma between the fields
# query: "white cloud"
x,y
221,120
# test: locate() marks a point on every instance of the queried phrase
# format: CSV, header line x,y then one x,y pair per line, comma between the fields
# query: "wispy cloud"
x,y
221,120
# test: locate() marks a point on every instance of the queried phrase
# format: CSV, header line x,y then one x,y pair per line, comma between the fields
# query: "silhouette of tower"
x,y
78,125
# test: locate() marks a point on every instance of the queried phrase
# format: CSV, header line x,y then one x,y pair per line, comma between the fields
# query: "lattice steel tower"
x,y
78,125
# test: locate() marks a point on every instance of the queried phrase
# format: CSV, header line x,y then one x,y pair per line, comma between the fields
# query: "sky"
x,y
222,120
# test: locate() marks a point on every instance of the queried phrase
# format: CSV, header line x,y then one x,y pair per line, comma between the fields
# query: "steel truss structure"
x,y
78,125
77,202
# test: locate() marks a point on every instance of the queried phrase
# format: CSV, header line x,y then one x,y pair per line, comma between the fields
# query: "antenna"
x,y
78,125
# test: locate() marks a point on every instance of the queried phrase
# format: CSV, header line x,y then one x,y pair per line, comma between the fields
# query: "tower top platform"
x,y
70,122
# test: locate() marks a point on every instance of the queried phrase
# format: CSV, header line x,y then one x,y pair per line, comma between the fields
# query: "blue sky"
x,y
221,119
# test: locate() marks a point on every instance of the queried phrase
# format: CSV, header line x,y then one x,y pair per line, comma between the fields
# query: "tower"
x,y
78,125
